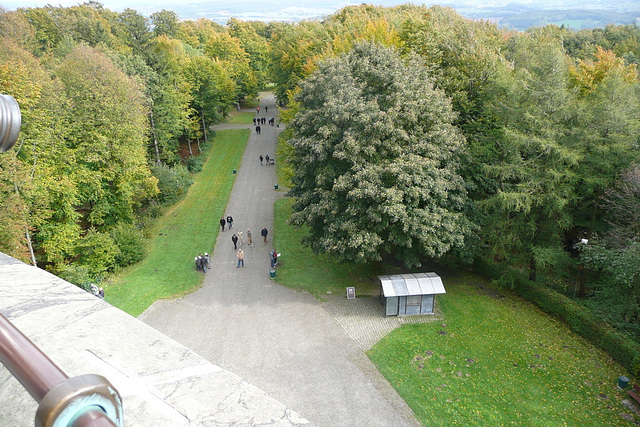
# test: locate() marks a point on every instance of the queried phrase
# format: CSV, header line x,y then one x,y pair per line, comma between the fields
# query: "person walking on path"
x,y
273,255
267,159
240,255
249,241
261,159
222,223
234,239
264,233
229,221
240,239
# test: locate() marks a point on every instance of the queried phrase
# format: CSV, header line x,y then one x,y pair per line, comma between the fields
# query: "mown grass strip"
x,y
301,269
188,229
497,360
241,118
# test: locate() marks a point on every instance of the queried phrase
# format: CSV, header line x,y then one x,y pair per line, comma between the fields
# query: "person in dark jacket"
x,y
222,223
234,239
264,233
229,221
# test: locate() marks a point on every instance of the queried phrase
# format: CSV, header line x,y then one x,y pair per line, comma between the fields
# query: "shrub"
x,y
173,182
195,163
79,275
130,243
97,251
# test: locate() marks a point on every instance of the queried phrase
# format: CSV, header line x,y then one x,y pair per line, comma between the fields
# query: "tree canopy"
x,y
376,158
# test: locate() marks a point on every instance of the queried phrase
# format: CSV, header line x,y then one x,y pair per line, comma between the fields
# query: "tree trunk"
x,y
204,129
33,255
26,232
532,269
155,138
198,141
189,145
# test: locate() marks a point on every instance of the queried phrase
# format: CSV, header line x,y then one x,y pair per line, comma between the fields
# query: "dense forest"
x,y
429,136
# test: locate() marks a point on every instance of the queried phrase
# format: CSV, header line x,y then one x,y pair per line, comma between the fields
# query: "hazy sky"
x,y
287,10
221,10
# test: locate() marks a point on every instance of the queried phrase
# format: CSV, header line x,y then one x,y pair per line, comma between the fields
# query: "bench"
x,y
634,392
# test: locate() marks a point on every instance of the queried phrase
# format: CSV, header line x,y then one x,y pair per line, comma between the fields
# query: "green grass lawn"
x,y
495,359
240,118
189,228
300,269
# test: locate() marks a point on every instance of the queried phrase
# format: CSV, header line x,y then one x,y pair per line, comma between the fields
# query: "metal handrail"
x,y
82,401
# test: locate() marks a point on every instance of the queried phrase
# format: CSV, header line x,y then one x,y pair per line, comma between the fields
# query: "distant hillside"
x,y
576,19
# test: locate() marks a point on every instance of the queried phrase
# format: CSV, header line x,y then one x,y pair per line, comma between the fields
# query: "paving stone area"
x,y
364,321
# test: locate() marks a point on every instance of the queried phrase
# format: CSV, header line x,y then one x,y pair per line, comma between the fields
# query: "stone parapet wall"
x,y
161,382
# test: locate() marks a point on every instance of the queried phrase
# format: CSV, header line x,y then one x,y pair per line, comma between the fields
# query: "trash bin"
x,y
275,186
272,274
234,171
623,382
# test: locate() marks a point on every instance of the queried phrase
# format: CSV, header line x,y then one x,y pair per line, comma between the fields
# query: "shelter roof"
x,y
397,285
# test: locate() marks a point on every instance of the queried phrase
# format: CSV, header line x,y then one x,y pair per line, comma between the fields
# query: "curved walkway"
x,y
280,340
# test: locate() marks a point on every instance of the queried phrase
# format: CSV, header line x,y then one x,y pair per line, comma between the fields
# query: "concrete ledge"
x,y
161,382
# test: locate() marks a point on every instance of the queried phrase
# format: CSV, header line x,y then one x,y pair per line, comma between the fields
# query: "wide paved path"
x,y
280,340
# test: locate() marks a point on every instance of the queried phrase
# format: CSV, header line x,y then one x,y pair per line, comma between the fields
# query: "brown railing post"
x,y
82,401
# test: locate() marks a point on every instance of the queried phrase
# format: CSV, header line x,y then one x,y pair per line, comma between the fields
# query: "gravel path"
x,y
306,354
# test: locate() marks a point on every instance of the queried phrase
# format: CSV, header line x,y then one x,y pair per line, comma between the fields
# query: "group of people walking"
x,y
228,221
203,262
238,240
267,159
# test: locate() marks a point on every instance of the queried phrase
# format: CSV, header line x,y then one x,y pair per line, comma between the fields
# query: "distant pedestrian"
x,y
254,121
267,159
266,109
197,263
257,110
240,238
273,256
261,159
229,221
263,120
249,241
234,239
264,233
240,255
223,222
258,129
207,260
101,293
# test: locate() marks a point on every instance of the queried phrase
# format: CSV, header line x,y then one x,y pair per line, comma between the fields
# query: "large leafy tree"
x,y
375,158
108,137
